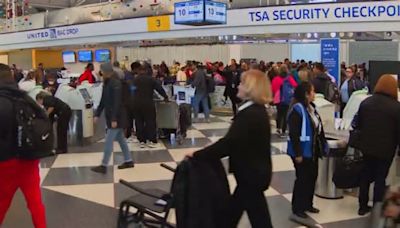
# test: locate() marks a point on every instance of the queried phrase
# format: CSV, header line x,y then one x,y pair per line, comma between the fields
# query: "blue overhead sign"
x,y
200,12
330,57
215,12
189,12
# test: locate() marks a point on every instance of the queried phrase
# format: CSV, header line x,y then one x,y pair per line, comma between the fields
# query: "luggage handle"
x,y
168,167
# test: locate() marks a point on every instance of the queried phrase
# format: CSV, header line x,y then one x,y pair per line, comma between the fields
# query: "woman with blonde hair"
x,y
248,146
378,122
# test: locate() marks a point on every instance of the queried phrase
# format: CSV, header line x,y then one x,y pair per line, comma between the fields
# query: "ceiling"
x,y
43,5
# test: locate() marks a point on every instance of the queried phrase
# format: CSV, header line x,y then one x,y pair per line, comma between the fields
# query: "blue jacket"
x,y
307,131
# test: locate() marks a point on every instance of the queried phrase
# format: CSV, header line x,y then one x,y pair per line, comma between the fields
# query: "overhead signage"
x,y
158,23
215,12
189,12
200,12
330,57
53,33
360,11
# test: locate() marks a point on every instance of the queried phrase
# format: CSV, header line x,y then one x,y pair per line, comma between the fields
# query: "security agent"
x,y
60,111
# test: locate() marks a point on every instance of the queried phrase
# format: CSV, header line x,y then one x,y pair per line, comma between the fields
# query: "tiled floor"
x,y
76,197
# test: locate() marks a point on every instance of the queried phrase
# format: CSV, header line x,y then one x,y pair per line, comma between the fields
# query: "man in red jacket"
x,y
16,173
88,75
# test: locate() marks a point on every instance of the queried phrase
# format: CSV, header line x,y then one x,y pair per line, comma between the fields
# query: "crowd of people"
x,y
128,99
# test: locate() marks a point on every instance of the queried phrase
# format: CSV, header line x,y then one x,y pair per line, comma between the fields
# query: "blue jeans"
x,y
203,99
112,135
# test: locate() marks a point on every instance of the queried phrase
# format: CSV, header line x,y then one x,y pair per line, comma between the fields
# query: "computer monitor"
x,y
85,56
102,55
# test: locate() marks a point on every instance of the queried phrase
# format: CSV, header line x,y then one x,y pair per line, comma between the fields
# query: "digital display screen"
x,y
189,12
69,57
103,55
85,56
215,12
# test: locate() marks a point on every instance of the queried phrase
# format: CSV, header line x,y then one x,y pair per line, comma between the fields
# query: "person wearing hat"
x,y
116,118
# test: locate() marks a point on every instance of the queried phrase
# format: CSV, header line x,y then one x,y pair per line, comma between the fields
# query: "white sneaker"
x,y
152,145
142,145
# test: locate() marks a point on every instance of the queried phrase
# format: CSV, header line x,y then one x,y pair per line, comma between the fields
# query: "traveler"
x,y
144,107
305,145
250,154
116,118
244,67
118,70
60,112
15,172
181,77
232,78
51,85
130,107
378,121
201,94
28,83
282,88
88,74
323,84
350,85
41,73
305,75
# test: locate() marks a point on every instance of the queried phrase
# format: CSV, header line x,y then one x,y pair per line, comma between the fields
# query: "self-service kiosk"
x,y
81,124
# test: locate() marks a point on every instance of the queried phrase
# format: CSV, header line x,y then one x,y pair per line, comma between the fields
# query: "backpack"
x,y
34,130
210,84
331,92
286,92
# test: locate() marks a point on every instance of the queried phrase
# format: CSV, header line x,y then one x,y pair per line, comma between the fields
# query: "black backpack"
x,y
34,130
331,92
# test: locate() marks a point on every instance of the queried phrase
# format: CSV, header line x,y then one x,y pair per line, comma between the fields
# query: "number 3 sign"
x,y
158,23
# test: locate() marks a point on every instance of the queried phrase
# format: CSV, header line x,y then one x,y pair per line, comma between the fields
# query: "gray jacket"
x,y
199,81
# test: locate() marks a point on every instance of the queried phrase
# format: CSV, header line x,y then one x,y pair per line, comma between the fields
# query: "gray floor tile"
x,y
47,162
62,211
122,192
95,147
276,138
354,223
214,132
283,182
280,210
188,143
77,175
156,156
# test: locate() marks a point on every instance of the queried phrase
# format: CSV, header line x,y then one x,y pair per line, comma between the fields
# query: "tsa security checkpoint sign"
x,y
330,57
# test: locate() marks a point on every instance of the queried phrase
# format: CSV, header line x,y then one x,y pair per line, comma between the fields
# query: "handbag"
x,y
348,172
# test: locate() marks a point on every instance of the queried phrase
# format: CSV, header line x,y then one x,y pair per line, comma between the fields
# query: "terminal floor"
x,y
76,197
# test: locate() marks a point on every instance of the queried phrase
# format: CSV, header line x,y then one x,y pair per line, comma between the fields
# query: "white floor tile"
x,y
215,138
211,126
97,193
336,210
78,160
179,154
282,163
282,146
43,173
136,147
195,134
144,172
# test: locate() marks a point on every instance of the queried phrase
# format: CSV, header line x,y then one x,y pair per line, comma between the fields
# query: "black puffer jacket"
x,y
8,133
379,123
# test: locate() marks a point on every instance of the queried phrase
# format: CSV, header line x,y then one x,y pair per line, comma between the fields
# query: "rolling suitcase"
x,y
167,115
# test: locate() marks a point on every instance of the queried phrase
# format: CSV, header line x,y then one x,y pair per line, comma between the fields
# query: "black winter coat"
x,y
320,83
248,145
379,124
8,133
201,194
111,103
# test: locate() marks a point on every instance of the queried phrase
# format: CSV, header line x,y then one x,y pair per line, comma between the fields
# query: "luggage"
x,y
286,92
167,115
185,118
348,172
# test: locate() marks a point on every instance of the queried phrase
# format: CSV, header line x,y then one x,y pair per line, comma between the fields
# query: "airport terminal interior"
x,y
64,48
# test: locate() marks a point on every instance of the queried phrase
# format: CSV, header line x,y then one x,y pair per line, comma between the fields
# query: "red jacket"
x,y
87,76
